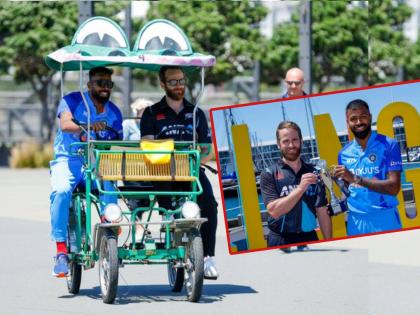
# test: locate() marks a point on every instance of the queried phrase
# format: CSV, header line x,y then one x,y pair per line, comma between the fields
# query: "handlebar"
x,y
97,135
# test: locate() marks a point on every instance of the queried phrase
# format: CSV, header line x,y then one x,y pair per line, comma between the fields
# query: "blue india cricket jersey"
x,y
382,155
73,103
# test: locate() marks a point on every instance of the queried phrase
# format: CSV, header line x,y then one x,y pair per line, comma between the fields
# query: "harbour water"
x,y
233,208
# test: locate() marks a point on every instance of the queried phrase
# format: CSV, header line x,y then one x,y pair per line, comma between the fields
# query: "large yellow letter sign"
x,y
411,120
248,187
328,148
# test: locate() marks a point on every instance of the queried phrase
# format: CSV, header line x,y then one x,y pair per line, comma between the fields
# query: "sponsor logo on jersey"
x,y
174,130
351,160
160,116
188,116
280,175
366,170
372,157
395,163
286,190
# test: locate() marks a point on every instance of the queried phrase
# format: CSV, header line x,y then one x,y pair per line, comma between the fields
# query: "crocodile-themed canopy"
x,y
100,41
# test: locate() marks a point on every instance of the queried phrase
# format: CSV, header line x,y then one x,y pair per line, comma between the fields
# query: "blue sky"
x,y
263,119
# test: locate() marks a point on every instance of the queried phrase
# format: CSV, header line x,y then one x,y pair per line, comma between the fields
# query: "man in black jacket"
x,y
292,194
172,117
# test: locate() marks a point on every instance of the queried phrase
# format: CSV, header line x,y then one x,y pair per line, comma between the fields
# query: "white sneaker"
x,y
210,271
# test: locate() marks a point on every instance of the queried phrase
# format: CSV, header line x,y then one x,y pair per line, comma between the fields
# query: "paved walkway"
x,y
371,275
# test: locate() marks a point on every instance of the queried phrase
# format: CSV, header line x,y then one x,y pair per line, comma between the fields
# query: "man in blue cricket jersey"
x,y
67,170
371,166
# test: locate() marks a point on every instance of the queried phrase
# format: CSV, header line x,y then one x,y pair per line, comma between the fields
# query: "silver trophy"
x,y
336,205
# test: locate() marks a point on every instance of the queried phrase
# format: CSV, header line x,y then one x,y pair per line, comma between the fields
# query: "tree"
x,y
226,29
339,44
389,48
412,62
31,30
28,32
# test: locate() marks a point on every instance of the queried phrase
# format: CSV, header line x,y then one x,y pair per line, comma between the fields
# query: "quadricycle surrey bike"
x,y
125,234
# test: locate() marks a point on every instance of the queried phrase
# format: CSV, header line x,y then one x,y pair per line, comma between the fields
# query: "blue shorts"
x,y
384,220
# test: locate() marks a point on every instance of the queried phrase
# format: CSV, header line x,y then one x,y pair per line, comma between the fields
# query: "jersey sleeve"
x,y
146,123
63,107
203,131
394,162
268,187
69,103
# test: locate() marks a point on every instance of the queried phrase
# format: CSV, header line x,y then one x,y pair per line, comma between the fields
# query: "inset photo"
x,y
319,167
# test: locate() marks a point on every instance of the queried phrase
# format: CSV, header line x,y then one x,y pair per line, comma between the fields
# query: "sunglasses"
x,y
174,82
297,83
102,83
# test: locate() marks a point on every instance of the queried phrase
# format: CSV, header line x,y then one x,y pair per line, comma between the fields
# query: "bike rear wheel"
x,y
194,269
108,267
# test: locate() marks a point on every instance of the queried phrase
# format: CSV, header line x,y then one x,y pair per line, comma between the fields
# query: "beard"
x,y
289,156
361,134
101,97
176,95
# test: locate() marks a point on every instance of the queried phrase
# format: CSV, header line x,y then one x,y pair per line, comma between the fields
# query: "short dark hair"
x,y
288,124
355,104
163,70
99,70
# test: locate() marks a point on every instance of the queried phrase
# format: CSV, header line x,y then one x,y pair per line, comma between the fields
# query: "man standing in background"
x,y
294,83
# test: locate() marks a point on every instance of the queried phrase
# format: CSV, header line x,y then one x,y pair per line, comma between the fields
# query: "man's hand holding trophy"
x,y
326,174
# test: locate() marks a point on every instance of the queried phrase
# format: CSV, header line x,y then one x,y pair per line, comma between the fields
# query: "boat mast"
x,y
227,125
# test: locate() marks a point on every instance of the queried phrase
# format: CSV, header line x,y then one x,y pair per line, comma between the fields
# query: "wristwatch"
x,y
357,179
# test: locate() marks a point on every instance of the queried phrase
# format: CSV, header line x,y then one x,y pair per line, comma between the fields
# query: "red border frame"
x,y
282,100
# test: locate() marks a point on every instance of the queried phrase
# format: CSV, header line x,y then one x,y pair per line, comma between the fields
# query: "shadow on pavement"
x,y
162,293
318,250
